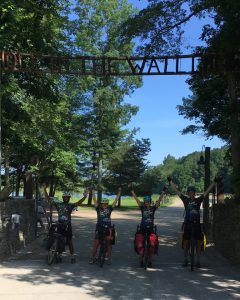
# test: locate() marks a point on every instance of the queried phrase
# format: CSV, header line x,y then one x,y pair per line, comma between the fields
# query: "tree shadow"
x,y
124,279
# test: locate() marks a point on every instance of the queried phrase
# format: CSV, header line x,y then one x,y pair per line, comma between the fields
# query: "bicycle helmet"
x,y
104,201
66,194
191,189
147,199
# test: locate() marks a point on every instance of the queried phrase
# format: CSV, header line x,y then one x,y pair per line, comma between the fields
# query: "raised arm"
x,y
173,186
79,202
117,197
134,195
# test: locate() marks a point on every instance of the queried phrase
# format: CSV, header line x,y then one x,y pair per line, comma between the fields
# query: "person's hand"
x,y
169,179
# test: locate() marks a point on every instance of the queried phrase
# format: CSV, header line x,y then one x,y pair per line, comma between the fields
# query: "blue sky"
x,y
158,117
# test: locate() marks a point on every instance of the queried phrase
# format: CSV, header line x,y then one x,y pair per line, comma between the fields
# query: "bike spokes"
x,y
52,253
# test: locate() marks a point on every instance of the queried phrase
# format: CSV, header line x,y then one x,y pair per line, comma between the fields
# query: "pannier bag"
x,y
138,243
153,243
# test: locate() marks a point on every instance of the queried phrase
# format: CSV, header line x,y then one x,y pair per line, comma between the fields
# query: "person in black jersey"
x,y
104,211
192,206
148,212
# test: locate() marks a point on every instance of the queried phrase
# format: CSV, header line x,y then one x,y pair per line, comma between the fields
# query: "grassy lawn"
x,y
128,202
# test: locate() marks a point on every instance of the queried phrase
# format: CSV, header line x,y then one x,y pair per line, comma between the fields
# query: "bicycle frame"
x,y
54,251
103,244
193,245
146,245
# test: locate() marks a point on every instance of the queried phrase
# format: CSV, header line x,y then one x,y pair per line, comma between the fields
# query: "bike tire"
x,y
145,255
102,253
192,254
52,253
192,247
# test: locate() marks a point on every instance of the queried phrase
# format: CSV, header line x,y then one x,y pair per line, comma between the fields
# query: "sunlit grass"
x,y
128,202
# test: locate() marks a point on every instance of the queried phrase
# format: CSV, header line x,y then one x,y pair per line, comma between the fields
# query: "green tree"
x,y
30,102
128,164
214,105
96,29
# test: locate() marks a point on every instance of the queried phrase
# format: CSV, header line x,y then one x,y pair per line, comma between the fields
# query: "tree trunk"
x,y
119,201
90,196
51,189
29,186
7,175
55,187
18,181
100,162
206,185
235,134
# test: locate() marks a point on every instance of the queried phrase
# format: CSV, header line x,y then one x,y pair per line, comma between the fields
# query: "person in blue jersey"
x,y
192,205
65,209
104,211
148,212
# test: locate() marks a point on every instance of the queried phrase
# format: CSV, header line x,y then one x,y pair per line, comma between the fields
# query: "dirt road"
x,y
27,277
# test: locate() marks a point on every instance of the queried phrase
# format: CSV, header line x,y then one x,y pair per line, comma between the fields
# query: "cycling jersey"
x,y
104,215
147,215
192,208
64,209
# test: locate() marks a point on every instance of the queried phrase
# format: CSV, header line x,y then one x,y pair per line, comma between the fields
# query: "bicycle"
x,y
146,244
56,242
193,241
103,232
193,245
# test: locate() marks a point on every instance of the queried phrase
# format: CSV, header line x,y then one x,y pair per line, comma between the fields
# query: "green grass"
x,y
127,202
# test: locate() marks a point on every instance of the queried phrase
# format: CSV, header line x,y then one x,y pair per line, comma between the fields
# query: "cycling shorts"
x,y
98,230
187,230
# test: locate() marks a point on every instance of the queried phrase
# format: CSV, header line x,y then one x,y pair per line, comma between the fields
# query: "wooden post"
x,y
206,185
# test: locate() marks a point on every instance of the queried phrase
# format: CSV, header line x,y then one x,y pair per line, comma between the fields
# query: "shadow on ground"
x,y
218,279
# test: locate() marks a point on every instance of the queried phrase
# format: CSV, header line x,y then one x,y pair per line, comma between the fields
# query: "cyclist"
x,y
148,212
65,209
104,211
192,206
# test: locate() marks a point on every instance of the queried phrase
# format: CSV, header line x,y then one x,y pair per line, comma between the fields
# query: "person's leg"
x,y
94,251
186,238
109,252
199,237
70,243
71,248
141,251
186,243
109,245
185,252
152,248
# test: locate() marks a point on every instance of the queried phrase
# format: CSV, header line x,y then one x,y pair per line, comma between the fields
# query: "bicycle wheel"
x,y
52,252
145,254
192,254
192,248
102,253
